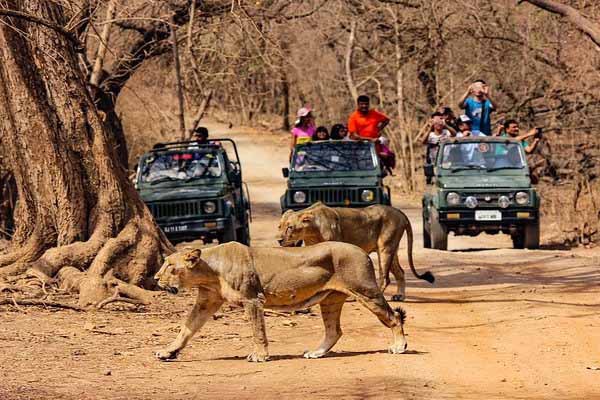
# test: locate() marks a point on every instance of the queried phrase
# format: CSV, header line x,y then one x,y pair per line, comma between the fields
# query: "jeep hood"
x,y
484,182
166,194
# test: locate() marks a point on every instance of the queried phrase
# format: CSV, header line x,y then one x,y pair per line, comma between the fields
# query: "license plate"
x,y
488,215
175,228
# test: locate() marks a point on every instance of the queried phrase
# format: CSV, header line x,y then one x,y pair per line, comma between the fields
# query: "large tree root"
x,y
101,270
41,303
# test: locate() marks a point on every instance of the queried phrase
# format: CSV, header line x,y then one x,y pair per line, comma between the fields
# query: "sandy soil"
x,y
498,324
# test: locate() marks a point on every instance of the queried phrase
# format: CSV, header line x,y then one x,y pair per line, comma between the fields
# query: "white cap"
x,y
303,112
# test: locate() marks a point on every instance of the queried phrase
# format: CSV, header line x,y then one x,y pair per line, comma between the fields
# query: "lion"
x,y
282,279
374,228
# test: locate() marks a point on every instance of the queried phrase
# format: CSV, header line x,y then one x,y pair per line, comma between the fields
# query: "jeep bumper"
x,y
335,197
462,221
193,229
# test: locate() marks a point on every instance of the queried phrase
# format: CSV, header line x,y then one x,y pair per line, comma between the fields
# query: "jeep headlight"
x,y
503,202
367,196
299,197
209,207
471,202
522,198
453,199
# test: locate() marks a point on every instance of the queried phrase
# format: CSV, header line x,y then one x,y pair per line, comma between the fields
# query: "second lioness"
x,y
375,228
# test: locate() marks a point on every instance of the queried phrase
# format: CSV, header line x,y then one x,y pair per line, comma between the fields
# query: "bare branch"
x,y
591,29
31,18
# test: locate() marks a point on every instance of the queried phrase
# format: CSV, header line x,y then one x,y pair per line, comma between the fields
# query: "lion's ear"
x,y
193,256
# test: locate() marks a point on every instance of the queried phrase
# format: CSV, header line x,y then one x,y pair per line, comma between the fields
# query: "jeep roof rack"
x,y
184,145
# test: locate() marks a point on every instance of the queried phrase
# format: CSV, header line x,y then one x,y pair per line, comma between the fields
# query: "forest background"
x,y
255,62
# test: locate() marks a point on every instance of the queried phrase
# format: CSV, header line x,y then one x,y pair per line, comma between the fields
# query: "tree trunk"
x,y
178,83
76,206
348,62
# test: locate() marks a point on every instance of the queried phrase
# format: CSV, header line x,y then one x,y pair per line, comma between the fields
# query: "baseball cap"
x,y
303,112
464,118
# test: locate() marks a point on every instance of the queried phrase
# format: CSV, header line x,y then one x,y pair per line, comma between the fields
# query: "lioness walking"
x,y
279,279
375,228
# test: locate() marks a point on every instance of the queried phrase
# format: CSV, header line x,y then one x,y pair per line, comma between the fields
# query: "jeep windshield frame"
x,y
182,166
334,157
481,155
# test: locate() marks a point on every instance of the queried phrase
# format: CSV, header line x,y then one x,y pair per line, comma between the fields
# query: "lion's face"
x,y
176,272
295,227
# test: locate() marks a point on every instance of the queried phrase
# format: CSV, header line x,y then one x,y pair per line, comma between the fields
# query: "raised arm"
x,y
462,102
532,146
488,96
527,135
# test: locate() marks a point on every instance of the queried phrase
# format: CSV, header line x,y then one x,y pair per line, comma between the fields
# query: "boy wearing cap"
x,y
463,123
366,123
478,107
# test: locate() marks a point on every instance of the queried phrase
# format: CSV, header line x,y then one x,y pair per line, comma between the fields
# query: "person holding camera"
x,y
479,107
510,128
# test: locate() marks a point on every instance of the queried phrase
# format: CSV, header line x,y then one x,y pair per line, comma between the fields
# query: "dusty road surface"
x,y
498,324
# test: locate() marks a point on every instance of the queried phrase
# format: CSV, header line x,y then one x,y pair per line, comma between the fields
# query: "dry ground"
x,y
499,323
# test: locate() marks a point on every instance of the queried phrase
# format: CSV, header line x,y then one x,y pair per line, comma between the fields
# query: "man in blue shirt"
x,y
478,107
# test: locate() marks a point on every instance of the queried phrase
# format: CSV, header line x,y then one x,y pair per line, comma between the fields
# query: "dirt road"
x,y
498,324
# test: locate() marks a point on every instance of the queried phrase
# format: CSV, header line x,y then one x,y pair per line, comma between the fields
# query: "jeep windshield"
x,y
485,155
180,166
334,156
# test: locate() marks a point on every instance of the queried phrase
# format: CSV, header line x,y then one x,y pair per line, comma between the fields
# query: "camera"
x,y
538,133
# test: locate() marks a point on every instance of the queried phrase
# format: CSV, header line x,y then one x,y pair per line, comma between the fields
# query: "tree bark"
x,y
178,84
76,206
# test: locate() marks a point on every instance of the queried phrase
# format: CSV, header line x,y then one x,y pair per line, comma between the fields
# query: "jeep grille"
x,y
487,199
334,196
176,209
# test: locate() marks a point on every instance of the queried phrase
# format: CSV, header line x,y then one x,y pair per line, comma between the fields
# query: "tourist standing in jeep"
x,y
366,123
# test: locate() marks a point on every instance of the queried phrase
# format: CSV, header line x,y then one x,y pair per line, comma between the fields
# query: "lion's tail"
x,y
427,276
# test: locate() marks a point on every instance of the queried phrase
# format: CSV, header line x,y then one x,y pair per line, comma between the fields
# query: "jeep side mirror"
x,y
428,169
285,172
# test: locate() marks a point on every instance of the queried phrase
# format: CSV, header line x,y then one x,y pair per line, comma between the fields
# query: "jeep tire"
x,y
531,235
518,240
439,235
228,235
243,236
426,237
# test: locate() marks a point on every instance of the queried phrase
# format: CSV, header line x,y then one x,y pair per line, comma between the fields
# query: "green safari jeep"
x,y
196,191
337,173
480,184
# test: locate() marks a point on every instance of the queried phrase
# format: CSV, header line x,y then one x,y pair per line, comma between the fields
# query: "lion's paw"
x,y
398,297
165,355
398,348
314,354
258,357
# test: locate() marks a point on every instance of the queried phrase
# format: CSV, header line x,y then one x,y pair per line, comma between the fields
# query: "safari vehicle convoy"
x,y
196,191
480,184
336,173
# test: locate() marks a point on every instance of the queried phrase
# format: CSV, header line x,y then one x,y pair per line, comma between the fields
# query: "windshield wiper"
x,y
499,168
163,179
465,167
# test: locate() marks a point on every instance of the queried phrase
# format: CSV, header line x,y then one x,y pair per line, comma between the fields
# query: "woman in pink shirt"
x,y
304,128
